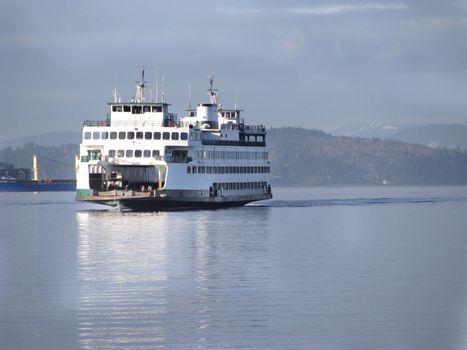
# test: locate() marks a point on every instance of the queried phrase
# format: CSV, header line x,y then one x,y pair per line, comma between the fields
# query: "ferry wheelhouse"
x,y
144,157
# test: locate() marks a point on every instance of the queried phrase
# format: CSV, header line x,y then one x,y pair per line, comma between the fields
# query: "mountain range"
x,y
304,157
432,135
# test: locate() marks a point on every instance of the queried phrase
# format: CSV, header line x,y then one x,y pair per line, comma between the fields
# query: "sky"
x,y
313,64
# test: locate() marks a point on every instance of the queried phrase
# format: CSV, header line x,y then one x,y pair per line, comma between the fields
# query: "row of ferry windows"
x,y
232,155
228,169
137,109
139,135
240,185
138,153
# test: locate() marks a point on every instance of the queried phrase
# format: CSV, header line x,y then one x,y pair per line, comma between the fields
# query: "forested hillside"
x,y
55,162
311,157
301,157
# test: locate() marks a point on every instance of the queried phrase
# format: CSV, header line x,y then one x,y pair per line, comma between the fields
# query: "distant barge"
x,y
19,180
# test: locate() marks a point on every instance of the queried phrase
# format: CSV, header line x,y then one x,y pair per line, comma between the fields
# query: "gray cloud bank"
x,y
317,64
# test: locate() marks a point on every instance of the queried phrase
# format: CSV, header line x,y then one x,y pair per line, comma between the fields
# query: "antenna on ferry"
x,y
189,96
236,96
139,97
157,85
163,92
212,92
114,94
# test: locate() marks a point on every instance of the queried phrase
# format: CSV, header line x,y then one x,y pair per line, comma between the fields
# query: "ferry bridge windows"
x,y
130,135
157,109
87,135
127,108
96,135
139,135
157,135
120,153
117,108
148,135
166,136
105,135
113,135
146,109
121,135
129,153
136,109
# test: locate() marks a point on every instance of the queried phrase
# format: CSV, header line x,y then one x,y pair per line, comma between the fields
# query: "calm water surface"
x,y
315,268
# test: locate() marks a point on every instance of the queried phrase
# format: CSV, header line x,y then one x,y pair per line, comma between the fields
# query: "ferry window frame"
x,y
113,135
146,109
194,169
136,109
155,153
147,153
127,108
157,135
184,136
104,135
130,135
148,135
175,136
121,135
188,169
87,135
120,153
111,153
156,109
166,135
96,135
129,153
139,135
138,153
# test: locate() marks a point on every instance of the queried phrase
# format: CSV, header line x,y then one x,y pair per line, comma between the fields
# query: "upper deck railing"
x,y
177,124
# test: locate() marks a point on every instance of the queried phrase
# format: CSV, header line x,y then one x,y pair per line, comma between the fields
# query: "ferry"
x,y
143,157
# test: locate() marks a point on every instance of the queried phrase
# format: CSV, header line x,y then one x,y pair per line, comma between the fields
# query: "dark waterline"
x,y
321,268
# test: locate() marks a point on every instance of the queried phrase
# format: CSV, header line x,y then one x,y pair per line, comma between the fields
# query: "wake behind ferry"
x,y
143,157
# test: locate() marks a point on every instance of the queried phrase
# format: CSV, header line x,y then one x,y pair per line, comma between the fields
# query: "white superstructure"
x,y
143,156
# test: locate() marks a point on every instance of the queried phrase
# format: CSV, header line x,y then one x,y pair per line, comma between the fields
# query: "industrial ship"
x,y
22,180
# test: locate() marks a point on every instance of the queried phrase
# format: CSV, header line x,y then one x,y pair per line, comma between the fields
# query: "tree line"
x,y
304,157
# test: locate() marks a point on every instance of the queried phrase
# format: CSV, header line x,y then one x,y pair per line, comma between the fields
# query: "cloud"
x,y
335,9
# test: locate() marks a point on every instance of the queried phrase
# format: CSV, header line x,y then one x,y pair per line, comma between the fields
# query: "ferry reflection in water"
x,y
169,278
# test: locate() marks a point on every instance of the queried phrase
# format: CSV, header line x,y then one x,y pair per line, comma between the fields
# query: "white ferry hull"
x,y
163,202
